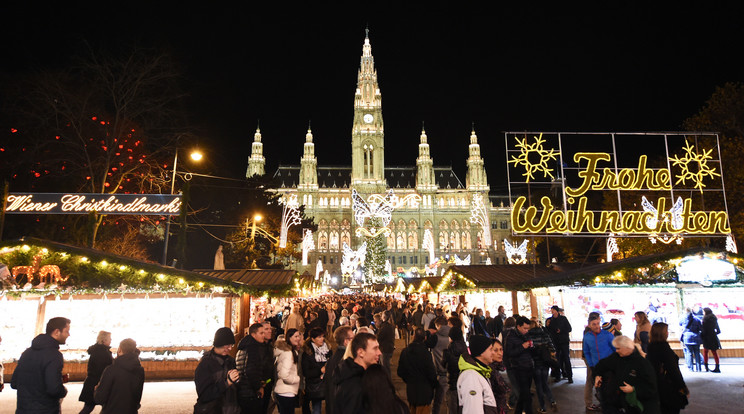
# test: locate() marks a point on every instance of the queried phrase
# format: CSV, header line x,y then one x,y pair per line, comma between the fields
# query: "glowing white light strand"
x,y
318,269
428,245
479,216
611,247
290,217
308,244
516,254
673,217
377,206
353,258
731,244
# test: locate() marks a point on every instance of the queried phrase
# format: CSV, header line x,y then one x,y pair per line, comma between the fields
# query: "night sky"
x,y
506,68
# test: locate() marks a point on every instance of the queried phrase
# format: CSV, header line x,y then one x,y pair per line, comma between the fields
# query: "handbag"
x,y
548,357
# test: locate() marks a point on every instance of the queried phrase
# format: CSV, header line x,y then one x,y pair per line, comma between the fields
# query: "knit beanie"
x,y
478,345
223,336
606,326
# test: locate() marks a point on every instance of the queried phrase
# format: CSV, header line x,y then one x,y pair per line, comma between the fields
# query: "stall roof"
x,y
539,275
254,278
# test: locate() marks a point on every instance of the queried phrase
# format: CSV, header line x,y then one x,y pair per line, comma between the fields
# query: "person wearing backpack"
x,y
541,356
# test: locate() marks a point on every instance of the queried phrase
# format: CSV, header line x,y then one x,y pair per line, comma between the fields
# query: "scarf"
x,y
321,353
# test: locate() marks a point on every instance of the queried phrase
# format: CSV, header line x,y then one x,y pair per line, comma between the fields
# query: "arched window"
x,y
454,241
428,225
345,237
401,240
466,240
443,240
401,224
334,240
322,224
412,240
322,240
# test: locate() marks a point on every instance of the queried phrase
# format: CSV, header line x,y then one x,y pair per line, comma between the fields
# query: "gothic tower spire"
x,y
308,165
367,136
257,161
476,179
425,181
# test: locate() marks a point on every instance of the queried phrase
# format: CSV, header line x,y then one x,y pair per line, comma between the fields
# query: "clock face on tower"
x,y
368,118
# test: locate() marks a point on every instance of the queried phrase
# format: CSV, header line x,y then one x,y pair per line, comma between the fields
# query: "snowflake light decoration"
x,y
700,161
290,217
307,245
479,216
534,149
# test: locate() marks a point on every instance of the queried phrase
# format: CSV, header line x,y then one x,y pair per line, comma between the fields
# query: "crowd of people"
x,y
334,354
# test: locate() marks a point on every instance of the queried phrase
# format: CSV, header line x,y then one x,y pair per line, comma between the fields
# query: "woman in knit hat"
x,y
216,376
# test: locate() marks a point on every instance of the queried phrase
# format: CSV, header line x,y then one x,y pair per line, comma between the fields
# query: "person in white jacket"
x,y
473,385
287,371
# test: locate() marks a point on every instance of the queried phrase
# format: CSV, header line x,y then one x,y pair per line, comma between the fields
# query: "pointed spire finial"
x,y
472,127
366,32
309,125
309,135
258,125
423,128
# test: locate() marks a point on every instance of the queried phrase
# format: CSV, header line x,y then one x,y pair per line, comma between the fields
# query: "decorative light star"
x,y
535,148
700,160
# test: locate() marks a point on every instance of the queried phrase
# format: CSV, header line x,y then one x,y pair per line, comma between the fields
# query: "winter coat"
x,y
693,328
211,381
100,358
479,326
255,363
559,329
405,321
517,356
348,380
710,333
295,321
597,346
287,370
416,369
539,339
438,343
417,318
474,393
427,319
311,370
669,382
451,359
38,377
386,338
495,326
330,386
120,389
636,371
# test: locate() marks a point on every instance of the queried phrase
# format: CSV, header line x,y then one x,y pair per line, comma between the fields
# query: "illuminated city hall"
x,y
444,208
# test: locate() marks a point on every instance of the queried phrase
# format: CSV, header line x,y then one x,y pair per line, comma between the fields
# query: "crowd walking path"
x,y
710,393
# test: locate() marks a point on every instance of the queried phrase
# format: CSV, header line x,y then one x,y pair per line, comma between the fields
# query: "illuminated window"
x,y
334,240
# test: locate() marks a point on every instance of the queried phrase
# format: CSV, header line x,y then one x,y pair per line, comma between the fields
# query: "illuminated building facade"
x,y
445,202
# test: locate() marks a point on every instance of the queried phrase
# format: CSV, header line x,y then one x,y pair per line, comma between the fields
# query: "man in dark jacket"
x,y
437,342
100,358
450,360
495,326
343,336
255,363
38,375
386,338
120,388
560,328
518,352
365,351
215,377
416,369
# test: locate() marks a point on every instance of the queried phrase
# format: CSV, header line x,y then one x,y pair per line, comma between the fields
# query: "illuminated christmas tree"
x,y
376,255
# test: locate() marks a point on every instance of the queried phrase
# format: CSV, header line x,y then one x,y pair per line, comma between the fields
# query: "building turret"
x,y
257,161
425,181
476,179
308,165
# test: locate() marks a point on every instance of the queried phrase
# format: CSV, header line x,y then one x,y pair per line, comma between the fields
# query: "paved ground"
x,y
710,393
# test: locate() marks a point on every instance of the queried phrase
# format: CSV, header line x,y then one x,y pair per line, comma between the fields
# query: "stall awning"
x,y
253,278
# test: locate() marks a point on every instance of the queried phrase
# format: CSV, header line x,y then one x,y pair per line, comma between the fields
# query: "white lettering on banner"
x,y
80,203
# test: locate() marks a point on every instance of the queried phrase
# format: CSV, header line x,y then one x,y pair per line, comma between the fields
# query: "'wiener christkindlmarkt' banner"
x,y
84,203
660,185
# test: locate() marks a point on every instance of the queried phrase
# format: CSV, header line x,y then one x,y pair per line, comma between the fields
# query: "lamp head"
x,y
196,155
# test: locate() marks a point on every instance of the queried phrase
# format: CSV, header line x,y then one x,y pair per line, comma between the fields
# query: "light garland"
x,y
479,216
428,244
318,269
731,244
611,247
308,244
290,217
516,254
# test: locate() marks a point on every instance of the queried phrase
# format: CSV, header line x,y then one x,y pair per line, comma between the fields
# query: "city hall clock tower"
x,y
367,136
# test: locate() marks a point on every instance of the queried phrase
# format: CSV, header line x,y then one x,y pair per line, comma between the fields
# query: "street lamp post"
x,y
196,156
